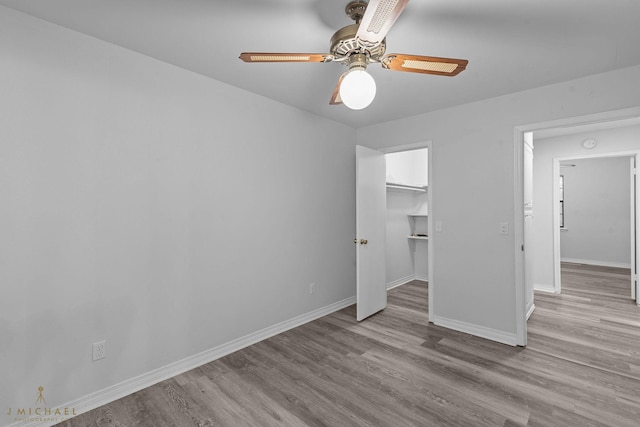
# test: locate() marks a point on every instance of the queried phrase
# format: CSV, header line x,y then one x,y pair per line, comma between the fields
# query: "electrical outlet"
x,y
99,350
312,288
504,228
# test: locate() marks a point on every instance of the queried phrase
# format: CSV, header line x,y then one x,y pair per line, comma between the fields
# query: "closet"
x,y
407,213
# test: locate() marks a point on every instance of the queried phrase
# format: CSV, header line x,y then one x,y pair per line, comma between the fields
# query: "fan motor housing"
x,y
344,43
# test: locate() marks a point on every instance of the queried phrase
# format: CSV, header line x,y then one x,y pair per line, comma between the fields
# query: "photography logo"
x,y
40,398
40,412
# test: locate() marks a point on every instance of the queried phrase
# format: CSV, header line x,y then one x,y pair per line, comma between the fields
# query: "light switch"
x,y
439,226
504,228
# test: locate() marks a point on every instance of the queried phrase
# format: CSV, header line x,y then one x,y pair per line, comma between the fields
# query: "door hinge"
x,y
522,248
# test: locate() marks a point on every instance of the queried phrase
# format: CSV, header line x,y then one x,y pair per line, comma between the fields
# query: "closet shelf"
x,y
397,186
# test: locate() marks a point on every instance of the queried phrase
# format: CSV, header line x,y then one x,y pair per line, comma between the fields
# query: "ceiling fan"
x,y
360,44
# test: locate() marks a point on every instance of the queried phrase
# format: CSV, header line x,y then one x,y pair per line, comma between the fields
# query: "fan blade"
x,y
377,21
335,97
423,64
285,57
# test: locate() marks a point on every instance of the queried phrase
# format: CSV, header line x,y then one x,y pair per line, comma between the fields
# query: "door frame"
x,y
633,184
430,189
631,154
518,188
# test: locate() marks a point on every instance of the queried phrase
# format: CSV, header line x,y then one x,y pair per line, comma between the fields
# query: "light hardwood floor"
x,y
581,368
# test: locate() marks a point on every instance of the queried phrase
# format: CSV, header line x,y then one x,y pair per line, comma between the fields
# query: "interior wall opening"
x,y
595,211
575,130
409,244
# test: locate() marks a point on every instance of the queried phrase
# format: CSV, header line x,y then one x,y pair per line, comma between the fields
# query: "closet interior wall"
x,y
406,253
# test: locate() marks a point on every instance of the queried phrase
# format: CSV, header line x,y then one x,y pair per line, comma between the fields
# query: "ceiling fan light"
x,y
358,89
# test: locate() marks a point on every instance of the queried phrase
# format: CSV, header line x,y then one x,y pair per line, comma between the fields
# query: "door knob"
x,y
363,242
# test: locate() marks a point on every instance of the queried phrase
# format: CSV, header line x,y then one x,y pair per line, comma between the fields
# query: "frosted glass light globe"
x,y
357,89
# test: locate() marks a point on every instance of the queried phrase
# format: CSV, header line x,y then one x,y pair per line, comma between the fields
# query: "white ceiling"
x,y
511,45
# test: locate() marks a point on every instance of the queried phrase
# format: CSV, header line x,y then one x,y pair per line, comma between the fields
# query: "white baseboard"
x,y
545,288
125,388
596,262
422,278
530,311
479,331
400,282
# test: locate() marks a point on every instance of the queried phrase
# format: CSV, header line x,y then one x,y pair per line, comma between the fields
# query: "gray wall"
x,y
399,250
597,212
154,207
405,259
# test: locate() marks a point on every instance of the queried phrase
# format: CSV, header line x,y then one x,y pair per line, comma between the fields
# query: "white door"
x,y
635,286
371,210
528,223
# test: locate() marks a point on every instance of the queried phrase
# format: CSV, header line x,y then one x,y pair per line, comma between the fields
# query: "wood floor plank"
x,y
581,368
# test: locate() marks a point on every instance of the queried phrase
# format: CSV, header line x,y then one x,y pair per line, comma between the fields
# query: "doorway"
x,y
407,214
594,209
604,120
420,218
